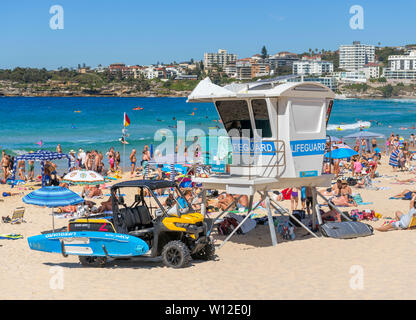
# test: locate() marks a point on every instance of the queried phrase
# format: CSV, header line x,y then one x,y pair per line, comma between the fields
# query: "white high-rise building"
x,y
401,67
220,59
355,56
312,66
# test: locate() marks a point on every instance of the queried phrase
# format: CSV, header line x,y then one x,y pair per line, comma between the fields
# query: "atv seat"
x,y
138,216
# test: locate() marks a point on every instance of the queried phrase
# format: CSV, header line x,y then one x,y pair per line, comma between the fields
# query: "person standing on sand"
x,y
5,165
133,162
31,173
145,161
21,165
118,160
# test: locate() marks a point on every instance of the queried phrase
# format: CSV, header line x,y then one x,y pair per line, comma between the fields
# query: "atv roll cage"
x,y
150,186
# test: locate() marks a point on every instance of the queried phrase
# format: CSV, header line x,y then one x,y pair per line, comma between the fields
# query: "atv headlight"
x,y
182,225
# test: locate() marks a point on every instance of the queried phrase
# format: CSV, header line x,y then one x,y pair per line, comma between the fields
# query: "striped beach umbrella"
x,y
52,197
82,177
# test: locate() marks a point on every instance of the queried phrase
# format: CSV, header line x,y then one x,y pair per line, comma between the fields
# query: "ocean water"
x,y
98,125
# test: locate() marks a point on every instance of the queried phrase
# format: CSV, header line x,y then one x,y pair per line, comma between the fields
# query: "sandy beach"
x,y
247,267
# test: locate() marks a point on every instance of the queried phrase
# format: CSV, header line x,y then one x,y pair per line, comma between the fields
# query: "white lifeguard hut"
x,y
278,136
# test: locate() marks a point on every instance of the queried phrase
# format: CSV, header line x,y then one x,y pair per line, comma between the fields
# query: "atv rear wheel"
x,y
175,254
206,253
88,261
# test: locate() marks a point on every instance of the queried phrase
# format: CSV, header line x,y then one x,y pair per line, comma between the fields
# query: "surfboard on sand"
x,y
89,243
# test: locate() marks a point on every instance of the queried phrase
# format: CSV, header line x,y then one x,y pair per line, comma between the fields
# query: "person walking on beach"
x,y
133,162
5,165
31,172
82,158
21,165
145,161
412,140
118,160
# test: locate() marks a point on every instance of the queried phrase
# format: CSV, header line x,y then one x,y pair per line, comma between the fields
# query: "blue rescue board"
x,y
89,243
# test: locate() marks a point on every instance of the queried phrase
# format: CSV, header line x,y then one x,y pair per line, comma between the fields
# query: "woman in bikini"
x,y
294,199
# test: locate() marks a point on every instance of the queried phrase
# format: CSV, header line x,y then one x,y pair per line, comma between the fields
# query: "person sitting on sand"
x,y
106,206
242,202
331,213
92,191
403,220
224,200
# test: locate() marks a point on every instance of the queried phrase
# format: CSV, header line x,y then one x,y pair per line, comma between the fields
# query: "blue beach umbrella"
x,y
341,153
52,197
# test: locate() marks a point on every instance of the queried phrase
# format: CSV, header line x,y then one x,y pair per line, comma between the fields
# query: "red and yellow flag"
x,y
126,120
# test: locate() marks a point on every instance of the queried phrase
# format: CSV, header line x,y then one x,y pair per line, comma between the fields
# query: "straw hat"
x,y
72,151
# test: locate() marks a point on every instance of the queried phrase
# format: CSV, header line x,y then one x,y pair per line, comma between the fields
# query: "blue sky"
x,y
144,32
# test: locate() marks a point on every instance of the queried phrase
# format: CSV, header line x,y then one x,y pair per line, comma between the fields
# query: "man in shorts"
x,y
402,220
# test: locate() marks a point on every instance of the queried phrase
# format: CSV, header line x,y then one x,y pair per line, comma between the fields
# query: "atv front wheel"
x,y
206,253
175,254
88,261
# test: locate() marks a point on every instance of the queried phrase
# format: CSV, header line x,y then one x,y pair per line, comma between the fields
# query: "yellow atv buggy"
x,y
176,237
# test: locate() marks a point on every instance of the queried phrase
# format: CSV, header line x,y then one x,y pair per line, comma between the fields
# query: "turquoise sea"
x,y
98,125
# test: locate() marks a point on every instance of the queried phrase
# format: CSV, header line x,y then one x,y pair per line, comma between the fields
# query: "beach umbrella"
x,y
365,135
52,197
82,177
334,139
341,153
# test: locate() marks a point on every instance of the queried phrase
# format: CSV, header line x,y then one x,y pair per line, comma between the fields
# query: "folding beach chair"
x,y
17,216
412,223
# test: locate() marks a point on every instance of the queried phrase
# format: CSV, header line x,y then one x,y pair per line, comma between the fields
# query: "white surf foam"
x,y
351,126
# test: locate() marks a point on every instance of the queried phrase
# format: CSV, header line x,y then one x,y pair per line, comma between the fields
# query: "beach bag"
x,y
286,230
299,214
227,226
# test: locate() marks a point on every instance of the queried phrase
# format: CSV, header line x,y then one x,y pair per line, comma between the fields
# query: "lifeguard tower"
x,y
278,136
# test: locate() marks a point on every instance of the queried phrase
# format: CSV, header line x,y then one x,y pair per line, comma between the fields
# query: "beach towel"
x,y
11,236
287,193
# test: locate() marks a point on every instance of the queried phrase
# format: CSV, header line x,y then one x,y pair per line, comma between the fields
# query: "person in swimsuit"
x,y
31,172
145,160
21,165
118,160
294,199
133,162
5,165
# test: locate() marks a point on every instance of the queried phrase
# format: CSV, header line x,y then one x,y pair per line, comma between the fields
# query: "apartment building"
x,y
220,59
312,66
401,67
355,56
